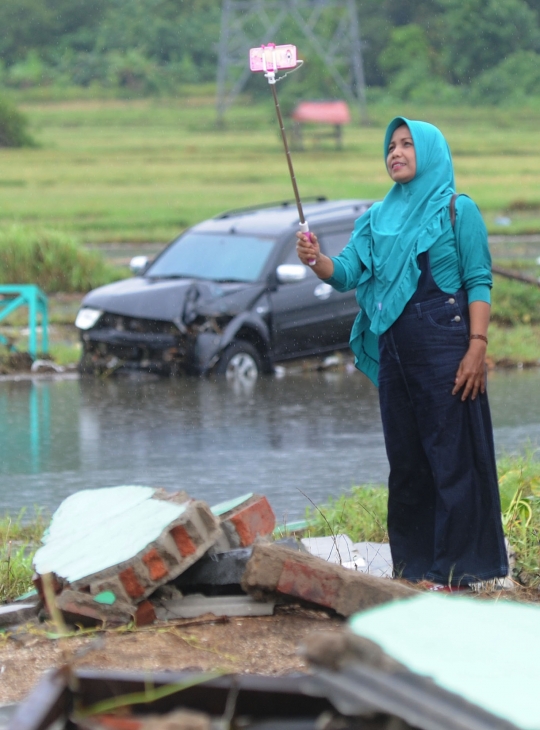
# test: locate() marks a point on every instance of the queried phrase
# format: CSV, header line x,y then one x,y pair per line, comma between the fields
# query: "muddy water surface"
x,y
297,438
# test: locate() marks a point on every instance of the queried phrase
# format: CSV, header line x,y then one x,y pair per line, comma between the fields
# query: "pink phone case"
x,y
277,57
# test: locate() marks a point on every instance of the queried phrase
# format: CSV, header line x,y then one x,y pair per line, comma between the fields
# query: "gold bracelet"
x,y
479,337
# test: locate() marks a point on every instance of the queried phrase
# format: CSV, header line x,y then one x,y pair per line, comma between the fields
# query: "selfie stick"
x,y
271,76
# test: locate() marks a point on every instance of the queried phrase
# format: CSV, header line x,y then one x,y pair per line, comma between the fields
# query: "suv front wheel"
x,y
239,361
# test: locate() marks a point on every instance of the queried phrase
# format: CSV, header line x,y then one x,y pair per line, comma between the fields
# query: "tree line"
x,y
484,51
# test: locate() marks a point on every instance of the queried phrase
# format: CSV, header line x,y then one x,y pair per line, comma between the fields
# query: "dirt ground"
x,y
261,645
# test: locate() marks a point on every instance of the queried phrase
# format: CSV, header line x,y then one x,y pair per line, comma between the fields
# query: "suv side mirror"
x,y
289,273
138,264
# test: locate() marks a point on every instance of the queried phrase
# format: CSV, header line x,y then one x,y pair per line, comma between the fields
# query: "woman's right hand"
x,y
307,248
309,253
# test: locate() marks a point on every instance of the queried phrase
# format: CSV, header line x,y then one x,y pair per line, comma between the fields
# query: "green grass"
x,y
112,170
361,514
19,539
53,260
513,345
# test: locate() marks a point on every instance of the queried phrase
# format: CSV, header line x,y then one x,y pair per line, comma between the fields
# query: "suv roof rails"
x,y
280,204
354,204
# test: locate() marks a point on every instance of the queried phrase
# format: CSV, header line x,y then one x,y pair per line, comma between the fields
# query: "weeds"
x,y
18,542
361,515
519,483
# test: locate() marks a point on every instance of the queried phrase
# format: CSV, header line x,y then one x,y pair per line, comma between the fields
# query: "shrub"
x,y
512,81
52,260
13,127
515,303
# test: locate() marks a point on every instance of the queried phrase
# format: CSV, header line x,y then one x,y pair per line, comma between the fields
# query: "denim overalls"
x,y
444,519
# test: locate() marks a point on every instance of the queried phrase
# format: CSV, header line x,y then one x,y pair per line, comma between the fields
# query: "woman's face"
x,y
401,157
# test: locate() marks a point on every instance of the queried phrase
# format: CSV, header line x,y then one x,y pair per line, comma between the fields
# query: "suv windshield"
x,y
220,257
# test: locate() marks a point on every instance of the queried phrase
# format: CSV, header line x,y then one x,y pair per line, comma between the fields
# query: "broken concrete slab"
x,y
199,605
127,540
218,574
277,570
18,613
84,609
377,558
243,520
337,549
456,643
368,557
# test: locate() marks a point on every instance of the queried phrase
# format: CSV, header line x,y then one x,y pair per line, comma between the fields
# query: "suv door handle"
x,y
322,290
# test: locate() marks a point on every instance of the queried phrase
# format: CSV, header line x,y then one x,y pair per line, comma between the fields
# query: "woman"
x,y
423,284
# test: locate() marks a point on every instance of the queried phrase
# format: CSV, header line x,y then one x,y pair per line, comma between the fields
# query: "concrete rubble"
x,y
140,554
275,570
18,613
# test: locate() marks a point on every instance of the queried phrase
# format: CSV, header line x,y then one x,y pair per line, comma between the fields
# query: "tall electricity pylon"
x,y
249,23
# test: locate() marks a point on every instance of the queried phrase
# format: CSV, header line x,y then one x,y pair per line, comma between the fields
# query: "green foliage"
x,y
421,50
15,570
519,484
46,26
474,35
13,127
407,51
23,527
514,302
512,81
360,514
409,66
19,538
517,344
52,260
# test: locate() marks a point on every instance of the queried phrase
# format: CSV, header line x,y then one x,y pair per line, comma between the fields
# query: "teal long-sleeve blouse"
x,y
460,258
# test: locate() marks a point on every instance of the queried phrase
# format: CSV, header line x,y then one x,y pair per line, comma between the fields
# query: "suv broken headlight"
x,y
87,318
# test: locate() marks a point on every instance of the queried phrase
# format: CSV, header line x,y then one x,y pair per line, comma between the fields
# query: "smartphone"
x,y
276,57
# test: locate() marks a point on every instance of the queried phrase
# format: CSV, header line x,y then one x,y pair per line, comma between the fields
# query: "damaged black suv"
x,y
228,296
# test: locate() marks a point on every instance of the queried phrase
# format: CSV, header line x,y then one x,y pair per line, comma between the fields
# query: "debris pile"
x,y
123,554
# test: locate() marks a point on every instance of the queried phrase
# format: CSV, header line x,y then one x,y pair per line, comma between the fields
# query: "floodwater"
x,y
297,439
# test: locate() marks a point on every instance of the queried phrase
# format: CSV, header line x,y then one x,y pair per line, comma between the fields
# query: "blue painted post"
x,y
32,323
34,430
30,295
44,323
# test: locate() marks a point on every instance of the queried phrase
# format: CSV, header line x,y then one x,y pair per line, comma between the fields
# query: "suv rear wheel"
x,y
239,361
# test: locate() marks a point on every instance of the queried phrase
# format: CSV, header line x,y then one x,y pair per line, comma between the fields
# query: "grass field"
x,y
143,170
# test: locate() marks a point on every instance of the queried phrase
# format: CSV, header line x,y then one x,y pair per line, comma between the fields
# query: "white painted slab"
x,y
95,529
335,549
199,605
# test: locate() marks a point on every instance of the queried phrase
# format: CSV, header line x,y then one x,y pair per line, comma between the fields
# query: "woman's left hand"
x,y
471,374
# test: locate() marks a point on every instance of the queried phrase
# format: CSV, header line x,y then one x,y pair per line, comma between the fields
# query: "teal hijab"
x,y
389,237
406,223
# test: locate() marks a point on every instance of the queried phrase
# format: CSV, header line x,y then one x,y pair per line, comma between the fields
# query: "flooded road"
x,y
295,439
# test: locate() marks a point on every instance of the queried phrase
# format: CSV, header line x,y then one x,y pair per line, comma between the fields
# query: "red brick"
x,y
145,614
255,519
38,585
184,543
112,722
131,583
156,566
81,608
309,583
